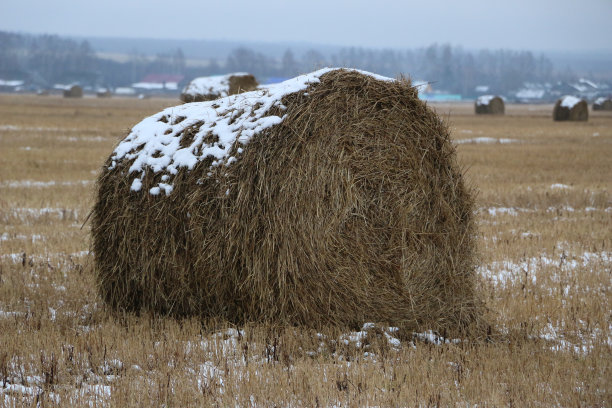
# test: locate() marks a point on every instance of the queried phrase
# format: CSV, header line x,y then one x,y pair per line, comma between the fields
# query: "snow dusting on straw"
x,y
569,101
155,143
484,99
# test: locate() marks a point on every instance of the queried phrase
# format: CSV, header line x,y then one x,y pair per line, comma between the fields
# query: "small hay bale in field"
x,y
333,198
75,91
214,87
489,104
571,108
602,104
103,93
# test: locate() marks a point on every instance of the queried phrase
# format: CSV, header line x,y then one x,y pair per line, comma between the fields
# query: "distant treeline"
x,y
48,59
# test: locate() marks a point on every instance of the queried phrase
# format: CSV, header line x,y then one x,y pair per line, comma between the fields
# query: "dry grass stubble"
x,y
543,254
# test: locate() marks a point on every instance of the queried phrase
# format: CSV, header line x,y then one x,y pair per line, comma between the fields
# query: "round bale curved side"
x,y
489,104
214,87
333,198
570,108
602,104
75,91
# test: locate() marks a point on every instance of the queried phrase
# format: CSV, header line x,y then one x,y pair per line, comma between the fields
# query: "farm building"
x,y
158,84
333,198
570,108
11,85
213,87
489,104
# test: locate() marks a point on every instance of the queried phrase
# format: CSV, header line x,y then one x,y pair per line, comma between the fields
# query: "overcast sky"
x,y
517,24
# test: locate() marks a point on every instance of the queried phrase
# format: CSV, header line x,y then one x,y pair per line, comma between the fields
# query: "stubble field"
x,y
544,211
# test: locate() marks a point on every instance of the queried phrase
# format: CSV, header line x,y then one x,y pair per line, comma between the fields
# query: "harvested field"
x,y
543,213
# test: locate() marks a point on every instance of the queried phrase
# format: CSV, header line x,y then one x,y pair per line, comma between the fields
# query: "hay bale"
x,y
602,104
489,104
333,198
214,87
103,93
75,91
571,108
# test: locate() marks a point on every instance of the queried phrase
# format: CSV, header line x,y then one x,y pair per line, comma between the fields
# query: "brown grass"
x,y
61,346
351,211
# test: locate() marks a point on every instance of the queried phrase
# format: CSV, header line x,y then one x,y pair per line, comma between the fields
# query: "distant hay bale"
x,y
103,93
75,91
489,104
333,198
214,87
602,104
571,108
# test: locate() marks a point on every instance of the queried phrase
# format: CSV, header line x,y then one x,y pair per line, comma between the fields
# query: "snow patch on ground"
x,y
42,184
486,140
503,273
25,214
559,186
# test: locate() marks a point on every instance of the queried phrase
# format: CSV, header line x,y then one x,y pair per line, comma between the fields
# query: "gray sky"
x,y
516,24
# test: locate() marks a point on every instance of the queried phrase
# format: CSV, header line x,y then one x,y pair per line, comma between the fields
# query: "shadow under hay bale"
x,y
602,104
333,198
489,104
75,91
214,87
570,108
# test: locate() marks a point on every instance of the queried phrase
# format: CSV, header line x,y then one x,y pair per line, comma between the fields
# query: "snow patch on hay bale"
x,y
489,104
214,87
333,198
571,108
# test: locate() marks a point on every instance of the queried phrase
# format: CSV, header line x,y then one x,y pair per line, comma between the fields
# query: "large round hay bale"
x,y
489,104
333,198
571,108
214,87
75,91
602,104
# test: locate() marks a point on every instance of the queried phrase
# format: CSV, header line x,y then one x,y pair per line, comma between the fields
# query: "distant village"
x,y
47,65
171,86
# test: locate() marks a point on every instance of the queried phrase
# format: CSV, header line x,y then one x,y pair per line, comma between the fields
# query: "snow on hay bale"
x,y
213,87
75,91
602,103
571,108
333,198
489,104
